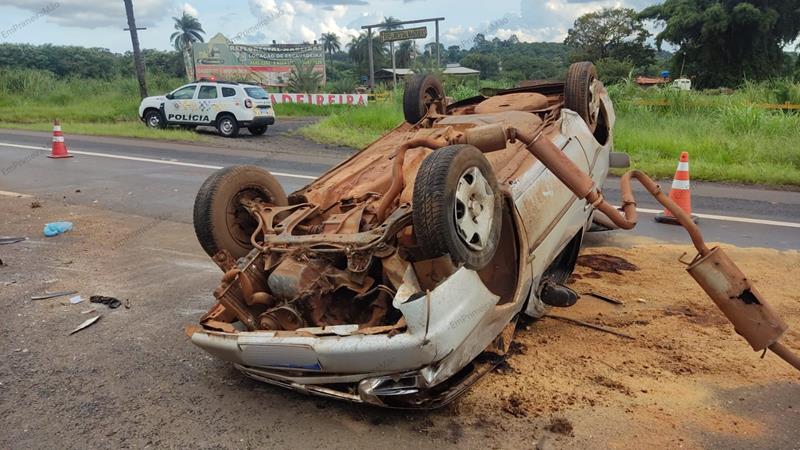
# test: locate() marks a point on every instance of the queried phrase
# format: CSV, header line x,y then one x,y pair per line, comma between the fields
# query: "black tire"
x,y
220,222
154,119
257,131
227,126
577,96
421,92
436,207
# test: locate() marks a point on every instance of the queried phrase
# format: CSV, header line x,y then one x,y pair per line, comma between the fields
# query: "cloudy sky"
x,y
99,23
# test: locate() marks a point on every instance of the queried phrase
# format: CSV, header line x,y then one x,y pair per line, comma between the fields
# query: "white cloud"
x,y
191,10
301,21
94,13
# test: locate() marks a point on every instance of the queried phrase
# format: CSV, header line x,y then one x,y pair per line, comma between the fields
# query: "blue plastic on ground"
x,y
56,228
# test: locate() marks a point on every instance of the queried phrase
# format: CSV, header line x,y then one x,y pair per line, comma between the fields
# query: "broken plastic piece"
x,y
85,324
53,295
56,228
11,239
75,300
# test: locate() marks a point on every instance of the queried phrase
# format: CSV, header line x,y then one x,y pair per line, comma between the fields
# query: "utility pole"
x,y
137,53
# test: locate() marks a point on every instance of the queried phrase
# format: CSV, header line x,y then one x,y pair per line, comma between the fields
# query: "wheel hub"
x,y
473,208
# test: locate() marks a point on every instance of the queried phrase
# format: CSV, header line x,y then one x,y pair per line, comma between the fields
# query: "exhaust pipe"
x,y
752,317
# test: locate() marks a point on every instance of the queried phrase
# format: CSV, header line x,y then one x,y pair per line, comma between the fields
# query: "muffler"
x,y
752,317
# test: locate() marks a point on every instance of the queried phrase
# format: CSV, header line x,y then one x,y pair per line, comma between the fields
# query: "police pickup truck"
x,y
226,105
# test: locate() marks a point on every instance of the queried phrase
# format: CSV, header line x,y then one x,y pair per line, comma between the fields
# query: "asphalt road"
x,y
134,381
160,180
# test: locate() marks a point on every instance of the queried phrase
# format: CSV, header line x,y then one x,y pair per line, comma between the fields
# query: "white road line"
x,y
774,223
156,161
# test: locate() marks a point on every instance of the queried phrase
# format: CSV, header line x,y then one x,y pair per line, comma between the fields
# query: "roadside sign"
x,y
404,35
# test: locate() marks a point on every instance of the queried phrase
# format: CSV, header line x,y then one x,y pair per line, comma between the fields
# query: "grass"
x,y
115,129
355,127
727,137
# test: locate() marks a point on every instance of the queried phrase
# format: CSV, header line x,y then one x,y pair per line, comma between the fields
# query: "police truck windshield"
x,y
256,93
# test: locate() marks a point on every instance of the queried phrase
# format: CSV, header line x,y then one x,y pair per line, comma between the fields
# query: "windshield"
x,y
256,93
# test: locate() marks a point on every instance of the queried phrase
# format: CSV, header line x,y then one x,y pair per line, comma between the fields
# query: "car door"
x,y
179,106
550,212
207,104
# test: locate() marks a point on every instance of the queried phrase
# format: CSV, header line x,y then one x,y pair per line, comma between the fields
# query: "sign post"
x,y
399,35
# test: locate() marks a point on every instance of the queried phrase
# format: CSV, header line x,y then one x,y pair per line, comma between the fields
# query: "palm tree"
x,y
358,49
406,52
331,43
303,79
188,32
391,23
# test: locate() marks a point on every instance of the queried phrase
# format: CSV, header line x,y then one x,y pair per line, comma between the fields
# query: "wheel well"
x,y
223,114
563,265
601,132
147,110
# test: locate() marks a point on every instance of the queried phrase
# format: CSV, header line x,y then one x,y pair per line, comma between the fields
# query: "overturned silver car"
x,y
396,278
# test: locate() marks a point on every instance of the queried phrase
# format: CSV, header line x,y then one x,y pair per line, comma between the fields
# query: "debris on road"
x,y
590,325
89,311
75,300
605,298
47,295
12,239
56,228
111,302
36,204
85,324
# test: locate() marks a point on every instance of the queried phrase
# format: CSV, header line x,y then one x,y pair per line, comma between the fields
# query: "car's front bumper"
x,y
446,330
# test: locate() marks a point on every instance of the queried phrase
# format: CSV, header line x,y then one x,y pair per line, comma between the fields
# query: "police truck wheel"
x,y
153,119
220,220
257,131
227,126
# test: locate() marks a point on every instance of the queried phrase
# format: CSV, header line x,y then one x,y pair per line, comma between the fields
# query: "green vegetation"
x,y
356,127
115,129
727,136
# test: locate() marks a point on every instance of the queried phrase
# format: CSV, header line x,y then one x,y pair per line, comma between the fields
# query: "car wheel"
x,y
457,207
577,92
227,126
220,220
422,91
257,131
154,119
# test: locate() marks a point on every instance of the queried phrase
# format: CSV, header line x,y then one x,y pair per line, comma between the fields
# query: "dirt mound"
x,y
676,376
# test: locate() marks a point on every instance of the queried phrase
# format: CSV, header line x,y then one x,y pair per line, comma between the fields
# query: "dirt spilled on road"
x,y
133,380
672,383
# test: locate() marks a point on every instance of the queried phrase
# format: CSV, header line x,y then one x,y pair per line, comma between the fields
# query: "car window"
x,y
256,93
184,93
228,92
207,92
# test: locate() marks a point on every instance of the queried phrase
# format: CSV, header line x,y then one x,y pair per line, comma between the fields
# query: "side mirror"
x,y
169,96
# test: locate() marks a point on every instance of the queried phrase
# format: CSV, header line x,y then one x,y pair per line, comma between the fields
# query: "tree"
x,y
487,64
188,32
358,49
610,33
723,42
331,43
303,78
406,53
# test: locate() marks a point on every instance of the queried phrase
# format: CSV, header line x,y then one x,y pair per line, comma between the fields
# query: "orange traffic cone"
x,y
59,147
679,193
